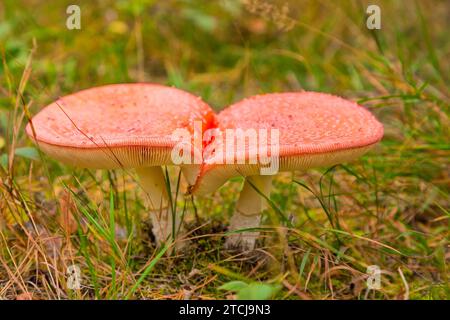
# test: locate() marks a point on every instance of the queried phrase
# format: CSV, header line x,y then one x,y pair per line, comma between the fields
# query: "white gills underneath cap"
x,y
123,126
314,130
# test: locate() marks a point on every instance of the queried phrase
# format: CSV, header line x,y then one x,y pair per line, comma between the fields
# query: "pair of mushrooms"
x,y
132,126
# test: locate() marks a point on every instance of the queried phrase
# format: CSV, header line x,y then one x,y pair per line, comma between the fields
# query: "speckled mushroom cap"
x,y
315,129
120,125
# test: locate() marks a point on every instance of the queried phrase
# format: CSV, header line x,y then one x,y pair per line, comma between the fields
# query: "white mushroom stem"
x,y
248,212
154,184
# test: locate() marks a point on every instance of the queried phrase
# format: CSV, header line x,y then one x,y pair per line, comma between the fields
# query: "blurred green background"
x,y
225,50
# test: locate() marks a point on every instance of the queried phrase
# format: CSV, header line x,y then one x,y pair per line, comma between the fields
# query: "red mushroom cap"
x,y
117,125
315,129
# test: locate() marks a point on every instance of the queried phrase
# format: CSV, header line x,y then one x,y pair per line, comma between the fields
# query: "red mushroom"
x,y
122,126
315,130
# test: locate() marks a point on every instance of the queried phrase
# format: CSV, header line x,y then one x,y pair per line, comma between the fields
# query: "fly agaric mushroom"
x,y
122,126
315,130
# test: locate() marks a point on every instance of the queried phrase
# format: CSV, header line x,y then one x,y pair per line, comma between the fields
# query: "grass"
x,y
390,208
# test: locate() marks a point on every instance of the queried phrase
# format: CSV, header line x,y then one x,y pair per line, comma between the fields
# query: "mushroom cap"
x,y
315,130
119,125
